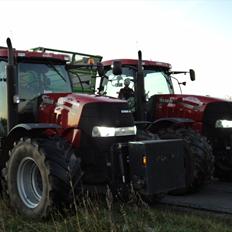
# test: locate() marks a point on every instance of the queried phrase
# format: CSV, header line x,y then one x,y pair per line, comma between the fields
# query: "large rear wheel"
x,y
41,175
199,160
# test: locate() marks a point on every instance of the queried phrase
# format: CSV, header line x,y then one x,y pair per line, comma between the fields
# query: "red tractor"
x,y
192,118
55,143
153,78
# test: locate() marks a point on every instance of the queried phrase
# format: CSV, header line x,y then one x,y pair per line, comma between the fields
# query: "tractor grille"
x,y
217,111
105,114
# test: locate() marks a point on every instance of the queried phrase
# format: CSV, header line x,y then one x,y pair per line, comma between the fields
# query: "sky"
x,y
188,34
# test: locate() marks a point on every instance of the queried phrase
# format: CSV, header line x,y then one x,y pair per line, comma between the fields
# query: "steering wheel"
x,y
118,83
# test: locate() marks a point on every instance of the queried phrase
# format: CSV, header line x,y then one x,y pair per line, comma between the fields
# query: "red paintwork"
x,y
183,106
30,54
135,63
174,105
65,110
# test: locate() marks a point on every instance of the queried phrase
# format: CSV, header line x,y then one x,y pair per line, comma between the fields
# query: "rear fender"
x,y
28,128
162,123
23,130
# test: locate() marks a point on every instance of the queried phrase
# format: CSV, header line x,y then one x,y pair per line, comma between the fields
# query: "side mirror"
x,y
192,74
184,83
117,67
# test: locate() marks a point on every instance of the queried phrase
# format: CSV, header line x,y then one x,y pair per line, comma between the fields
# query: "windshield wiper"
x,y
79,78
56,70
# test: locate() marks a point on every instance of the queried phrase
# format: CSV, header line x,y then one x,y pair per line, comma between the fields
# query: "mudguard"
x,y
19,131
26,127
32,126
167,122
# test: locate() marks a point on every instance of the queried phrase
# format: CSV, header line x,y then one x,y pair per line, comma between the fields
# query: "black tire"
x,y
199,160
223,165
1,183
38,176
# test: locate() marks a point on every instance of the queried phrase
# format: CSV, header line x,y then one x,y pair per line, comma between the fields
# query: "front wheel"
x,y
223,165
38,176
199,160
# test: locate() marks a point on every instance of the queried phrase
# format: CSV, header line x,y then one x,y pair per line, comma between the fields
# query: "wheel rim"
x,y
29,183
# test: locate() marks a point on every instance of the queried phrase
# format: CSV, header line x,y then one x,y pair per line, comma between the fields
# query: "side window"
x,y
81,81
3,99
155,83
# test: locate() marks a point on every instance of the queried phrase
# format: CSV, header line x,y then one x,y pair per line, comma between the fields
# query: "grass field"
x,y
104,215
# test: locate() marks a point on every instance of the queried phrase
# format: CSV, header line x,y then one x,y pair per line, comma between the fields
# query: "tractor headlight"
x,y
223,124
102,131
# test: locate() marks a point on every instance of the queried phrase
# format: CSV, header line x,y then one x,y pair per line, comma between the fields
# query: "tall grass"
x,y
103,214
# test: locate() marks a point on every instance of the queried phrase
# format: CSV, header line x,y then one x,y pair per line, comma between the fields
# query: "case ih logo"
x,y
193,100
192,103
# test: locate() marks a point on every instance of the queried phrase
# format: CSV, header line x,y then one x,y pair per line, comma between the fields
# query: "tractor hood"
x,y
201,109
188,101
75,110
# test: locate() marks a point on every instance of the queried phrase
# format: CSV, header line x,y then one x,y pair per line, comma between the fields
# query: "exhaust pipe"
x,y
139,91
10,52
10,73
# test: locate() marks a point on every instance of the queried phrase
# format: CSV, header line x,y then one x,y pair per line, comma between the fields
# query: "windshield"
x,y
155,82
83,79
36,79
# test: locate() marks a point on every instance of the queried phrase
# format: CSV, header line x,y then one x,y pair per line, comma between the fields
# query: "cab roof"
x,y
134,62
32,54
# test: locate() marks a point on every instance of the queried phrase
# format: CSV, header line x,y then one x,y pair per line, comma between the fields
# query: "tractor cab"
x,y
36,79
83,78
156,78
34,74
157,81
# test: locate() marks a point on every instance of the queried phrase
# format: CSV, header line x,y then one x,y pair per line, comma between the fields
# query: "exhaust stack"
x,y
139,91
10,74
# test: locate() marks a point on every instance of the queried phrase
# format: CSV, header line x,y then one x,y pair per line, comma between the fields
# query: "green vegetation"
x,y
104,215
